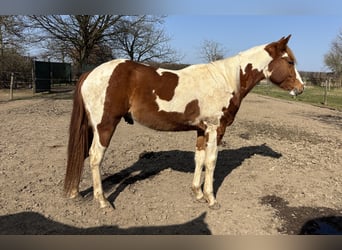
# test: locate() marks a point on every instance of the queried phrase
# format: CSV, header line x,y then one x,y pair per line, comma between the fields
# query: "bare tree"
x,y
142,38
101,53
12,41
11,32
333,59
79,34
55,50
86,39
211,51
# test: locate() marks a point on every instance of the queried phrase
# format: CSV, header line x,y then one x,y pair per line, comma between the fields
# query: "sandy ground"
x,y
278,172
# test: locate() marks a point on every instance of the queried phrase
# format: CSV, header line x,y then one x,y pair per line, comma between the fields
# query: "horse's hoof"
x,y
107,209
201,200
75,196
215,206
104,204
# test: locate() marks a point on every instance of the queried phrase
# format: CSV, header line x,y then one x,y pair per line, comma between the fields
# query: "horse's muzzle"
x,y
296,91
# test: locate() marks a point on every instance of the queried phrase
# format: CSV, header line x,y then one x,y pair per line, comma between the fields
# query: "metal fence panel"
x,y
48,73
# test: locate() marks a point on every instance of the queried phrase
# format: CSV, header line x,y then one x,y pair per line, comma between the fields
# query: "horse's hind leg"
x,y
98,148
96,155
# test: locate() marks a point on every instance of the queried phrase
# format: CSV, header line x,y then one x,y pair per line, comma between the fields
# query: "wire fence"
x,y
322,79
21,80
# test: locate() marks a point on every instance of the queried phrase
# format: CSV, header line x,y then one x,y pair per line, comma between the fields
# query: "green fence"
x,y
48,73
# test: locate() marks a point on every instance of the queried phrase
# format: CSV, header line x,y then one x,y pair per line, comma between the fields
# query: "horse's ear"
x,y
276,49
283,43
288,37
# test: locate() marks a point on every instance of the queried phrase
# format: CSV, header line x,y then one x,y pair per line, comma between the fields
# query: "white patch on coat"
x,y
212,84
293,92
299,78
204,83
94,89
258,56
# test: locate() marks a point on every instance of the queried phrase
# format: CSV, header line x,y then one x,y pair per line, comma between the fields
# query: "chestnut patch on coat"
x,y
131,93
202,138
247,81
116,103
165,85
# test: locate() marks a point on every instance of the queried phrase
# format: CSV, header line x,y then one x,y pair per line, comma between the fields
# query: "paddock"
x,y
279,168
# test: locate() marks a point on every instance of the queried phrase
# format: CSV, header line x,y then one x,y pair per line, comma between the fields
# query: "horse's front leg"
x,y
211,152
199,161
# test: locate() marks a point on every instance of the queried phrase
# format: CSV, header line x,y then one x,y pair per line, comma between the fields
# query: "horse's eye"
x,y
291,62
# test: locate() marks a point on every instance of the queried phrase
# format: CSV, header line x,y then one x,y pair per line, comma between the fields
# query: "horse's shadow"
x,y
152,163
33,223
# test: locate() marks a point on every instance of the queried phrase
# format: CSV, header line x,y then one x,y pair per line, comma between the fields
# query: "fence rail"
x,y
321,79
41,77
21,79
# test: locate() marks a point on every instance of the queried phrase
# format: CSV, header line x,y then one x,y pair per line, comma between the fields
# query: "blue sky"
x,y
311,34
235,7
237,24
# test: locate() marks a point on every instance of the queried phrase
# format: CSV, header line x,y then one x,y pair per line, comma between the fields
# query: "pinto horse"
x,y
204,98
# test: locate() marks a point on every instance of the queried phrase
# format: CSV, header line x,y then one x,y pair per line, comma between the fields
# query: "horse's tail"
x,y
80,138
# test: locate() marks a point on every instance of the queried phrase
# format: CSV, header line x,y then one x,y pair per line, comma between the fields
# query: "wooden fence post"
x,y
325,102
11,86
33,77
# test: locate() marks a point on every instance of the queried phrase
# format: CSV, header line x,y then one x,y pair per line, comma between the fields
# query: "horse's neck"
x,y
244,70
246,77
248,67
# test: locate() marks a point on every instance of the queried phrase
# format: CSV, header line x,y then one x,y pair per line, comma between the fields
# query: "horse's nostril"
x,y
301,90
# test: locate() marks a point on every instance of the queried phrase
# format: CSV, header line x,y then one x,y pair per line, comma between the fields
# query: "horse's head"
x,y
282,70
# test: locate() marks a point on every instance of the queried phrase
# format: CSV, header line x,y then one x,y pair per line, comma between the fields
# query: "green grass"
x,y
312,94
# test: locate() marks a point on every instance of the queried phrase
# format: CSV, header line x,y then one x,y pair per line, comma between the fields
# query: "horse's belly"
x,y
163,121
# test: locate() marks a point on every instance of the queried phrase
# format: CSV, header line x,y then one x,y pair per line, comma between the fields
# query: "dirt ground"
x,y
278,172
